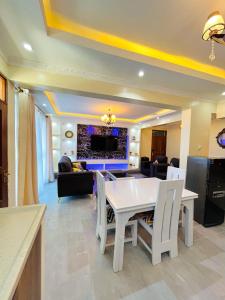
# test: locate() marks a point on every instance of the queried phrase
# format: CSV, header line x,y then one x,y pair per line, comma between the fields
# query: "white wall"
x,y
185,137
63,145
173,135
173,140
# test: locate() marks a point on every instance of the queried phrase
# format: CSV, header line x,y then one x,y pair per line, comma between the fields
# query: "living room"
x,y
112,140
77,132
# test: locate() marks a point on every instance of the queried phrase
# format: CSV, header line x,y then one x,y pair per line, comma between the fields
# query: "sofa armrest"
x,y
145,164
75,183
161,167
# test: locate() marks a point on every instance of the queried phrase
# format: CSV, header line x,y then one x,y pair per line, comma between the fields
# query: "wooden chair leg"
x,y
156,253
97,232
103,241
174,251
134,234
156,258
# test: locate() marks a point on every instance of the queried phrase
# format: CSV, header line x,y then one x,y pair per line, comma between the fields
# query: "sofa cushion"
x,y
65,164
161,159
175,162
77,165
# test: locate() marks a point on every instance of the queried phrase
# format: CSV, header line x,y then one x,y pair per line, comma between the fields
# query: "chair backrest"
x,y
110,175
144,158
175,162
65,164
101,199
166,215
175,173
162,159
113,177
125,178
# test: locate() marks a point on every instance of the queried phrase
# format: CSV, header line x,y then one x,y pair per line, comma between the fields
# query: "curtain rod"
x,y
21,90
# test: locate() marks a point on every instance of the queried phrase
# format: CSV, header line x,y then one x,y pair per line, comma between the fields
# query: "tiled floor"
x,y
75,269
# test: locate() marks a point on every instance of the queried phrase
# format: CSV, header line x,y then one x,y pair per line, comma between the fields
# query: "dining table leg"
x,y
188,222
121,221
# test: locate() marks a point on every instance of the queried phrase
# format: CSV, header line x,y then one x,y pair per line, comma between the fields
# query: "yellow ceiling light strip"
x,y
159,113
51,100
59,22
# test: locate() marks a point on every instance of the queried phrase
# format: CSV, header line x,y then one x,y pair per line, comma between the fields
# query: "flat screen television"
x,y
104,143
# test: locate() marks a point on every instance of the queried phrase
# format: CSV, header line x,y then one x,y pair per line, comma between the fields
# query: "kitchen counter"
x,y
20,251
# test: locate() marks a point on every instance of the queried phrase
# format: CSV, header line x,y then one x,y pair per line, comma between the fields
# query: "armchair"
x,y
175,162
146,166
159,168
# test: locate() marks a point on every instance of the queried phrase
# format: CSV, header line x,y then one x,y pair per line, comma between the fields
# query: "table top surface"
x,y
131,194
18,230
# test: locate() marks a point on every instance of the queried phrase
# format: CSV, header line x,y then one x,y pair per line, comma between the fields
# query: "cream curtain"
x,y
27,159
50,171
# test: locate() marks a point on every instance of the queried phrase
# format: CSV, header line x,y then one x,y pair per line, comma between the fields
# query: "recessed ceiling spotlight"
x,y
27,47
141,73
157,118
223,94
44,105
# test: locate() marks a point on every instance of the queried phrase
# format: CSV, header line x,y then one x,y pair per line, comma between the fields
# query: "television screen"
x,y
104,143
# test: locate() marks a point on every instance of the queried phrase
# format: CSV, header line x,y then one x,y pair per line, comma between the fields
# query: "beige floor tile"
x,y
75,269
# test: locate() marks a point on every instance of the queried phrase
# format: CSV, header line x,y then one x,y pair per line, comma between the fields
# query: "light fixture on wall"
x,y
214,31
109,119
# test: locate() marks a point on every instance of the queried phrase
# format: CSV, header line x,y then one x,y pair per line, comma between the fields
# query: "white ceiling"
x,y
173,25
87,105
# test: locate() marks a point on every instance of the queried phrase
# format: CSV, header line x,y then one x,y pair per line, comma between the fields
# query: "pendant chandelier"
x,y
109,119
214,32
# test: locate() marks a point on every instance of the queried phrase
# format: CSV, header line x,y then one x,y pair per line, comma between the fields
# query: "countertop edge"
x,y
10,285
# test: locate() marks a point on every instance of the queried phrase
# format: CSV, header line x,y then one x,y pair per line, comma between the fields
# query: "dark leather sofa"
x,y
159,169
152,169
175,162
73,183
146,166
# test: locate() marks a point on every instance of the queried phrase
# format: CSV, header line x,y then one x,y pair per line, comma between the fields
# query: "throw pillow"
x,y
77,165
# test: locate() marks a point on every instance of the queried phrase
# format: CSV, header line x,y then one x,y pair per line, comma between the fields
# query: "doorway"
x,y
3,144
158,143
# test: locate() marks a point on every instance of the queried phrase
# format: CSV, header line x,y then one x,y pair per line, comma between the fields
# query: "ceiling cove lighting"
x,y
214,31
109,119
141,73
27,47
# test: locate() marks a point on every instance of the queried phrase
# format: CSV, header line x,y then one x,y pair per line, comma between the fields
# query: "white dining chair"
x,y
175,173
164,229
113,177
103,211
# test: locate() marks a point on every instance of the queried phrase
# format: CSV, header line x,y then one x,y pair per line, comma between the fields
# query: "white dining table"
x,y
128,197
